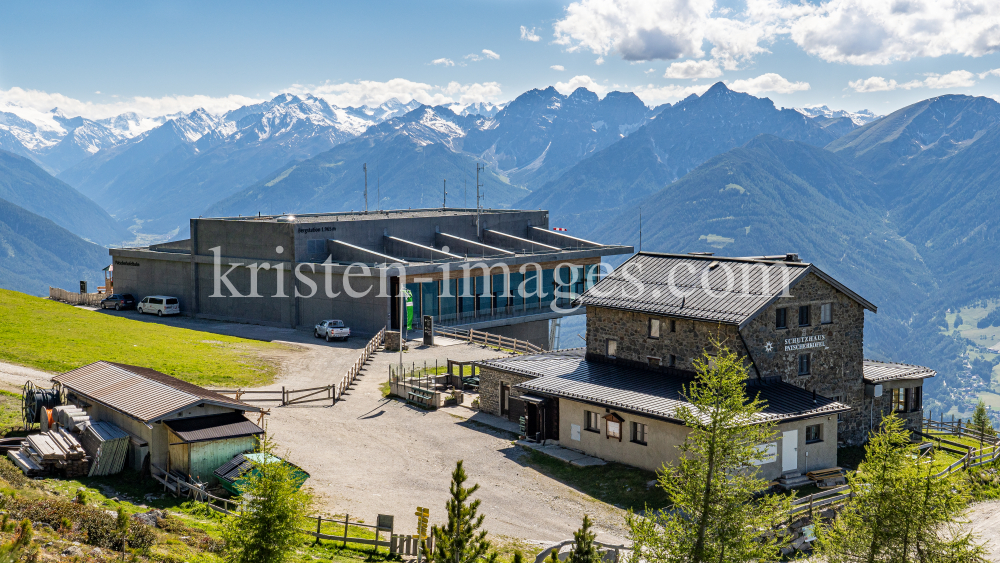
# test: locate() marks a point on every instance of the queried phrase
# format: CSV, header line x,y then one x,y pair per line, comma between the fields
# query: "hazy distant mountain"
x,y
838,122
36,253
679,139
408,158
542,133
25,184
484,109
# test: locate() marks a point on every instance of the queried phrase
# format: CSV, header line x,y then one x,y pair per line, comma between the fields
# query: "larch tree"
x,y
900,510
717,511
461,540
981,422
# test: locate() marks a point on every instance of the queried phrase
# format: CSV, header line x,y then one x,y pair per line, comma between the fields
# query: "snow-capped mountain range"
x,y
859,118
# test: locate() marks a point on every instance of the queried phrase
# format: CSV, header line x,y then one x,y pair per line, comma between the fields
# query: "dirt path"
x,y
13,376
984,520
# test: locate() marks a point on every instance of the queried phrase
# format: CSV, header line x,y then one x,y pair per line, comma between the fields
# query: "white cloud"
x,y
142,105
580,81
860,32
373,93
870,32
599,61
443,62
486,54
954,79
640,30
693,69
769,82
490,54
529,34
994,72
560,68
656,95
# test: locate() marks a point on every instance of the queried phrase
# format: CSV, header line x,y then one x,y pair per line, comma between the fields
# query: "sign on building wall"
x,y
769,453
805,342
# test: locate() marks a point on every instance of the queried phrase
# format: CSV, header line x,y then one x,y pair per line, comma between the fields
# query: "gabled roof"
x,y
880,372
674,285
567,374
141,393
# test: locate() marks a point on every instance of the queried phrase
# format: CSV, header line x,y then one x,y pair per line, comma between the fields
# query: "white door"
x,y
789,451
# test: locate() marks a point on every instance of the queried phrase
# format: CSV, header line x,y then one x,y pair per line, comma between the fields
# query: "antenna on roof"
x,y
444,205
640,229
365,168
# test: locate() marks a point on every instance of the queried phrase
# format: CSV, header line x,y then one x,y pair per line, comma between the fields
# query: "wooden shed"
x,y
146,403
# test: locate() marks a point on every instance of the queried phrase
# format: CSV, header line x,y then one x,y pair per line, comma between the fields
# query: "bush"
x,y
10,473
97,526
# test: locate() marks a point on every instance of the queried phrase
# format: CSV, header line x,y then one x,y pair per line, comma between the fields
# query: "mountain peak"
x,y
717,89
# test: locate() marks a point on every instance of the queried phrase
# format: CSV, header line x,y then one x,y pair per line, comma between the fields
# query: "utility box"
x,y
83,286
874,391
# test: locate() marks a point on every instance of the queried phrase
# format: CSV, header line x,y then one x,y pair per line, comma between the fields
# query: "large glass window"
x,y
517,299
429,298
484,293
531,289
548,287
499,286
466,295
448,298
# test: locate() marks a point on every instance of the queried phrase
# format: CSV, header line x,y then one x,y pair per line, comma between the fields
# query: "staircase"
x,y
793,480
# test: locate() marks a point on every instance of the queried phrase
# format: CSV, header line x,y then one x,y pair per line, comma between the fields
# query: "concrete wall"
x,y
664,438
142,277
536,332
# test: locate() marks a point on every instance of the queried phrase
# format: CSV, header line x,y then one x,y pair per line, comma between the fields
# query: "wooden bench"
x,y
416,396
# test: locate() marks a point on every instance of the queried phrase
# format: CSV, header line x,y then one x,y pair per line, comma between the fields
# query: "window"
x,y
673,326
654,361
639,431
654,328
840,415
899,400
781,318
673,361
612,348
826,313
804,315
814,433
592,422
804,364
916,399
172,301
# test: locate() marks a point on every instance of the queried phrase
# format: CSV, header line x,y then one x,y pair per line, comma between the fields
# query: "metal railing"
x,y
473,336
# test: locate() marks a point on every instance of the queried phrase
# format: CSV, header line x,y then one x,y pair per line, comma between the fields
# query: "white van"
x,y
159,304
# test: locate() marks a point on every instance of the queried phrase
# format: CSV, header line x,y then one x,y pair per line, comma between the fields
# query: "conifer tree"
x,y
518,557
900,510
460,540
715,515
271,502
584,550
981,421
13,551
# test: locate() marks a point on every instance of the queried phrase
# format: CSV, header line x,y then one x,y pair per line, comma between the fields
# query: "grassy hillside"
x,y
26,185
56,337
36,253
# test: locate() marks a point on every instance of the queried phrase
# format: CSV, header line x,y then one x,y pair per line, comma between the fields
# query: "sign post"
x,y
428,330
83,286
423,517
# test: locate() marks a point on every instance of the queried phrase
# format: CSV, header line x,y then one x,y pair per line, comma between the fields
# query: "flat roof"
x,y
372,215
213,427
657,394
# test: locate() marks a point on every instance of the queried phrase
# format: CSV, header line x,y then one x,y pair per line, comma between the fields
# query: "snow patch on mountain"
x,y
859,118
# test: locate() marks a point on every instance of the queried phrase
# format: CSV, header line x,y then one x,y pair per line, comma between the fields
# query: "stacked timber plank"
x,y
108,445
56,451
828,478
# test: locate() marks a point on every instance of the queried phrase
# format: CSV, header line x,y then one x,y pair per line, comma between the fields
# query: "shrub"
x,y
96,525
10,473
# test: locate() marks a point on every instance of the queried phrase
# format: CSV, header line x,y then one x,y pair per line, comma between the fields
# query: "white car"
x,y
160,305
331,330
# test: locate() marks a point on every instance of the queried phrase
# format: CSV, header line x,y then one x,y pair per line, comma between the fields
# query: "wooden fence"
x,y
333,392
74,298
488,339
970,458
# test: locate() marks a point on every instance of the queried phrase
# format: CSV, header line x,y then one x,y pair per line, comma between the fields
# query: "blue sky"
x,y
98,59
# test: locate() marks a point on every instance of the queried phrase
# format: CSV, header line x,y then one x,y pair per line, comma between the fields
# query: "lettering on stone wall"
x,y
126,263
805,342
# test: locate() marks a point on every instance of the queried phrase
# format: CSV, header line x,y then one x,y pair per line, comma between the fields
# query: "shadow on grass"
x,y
614,483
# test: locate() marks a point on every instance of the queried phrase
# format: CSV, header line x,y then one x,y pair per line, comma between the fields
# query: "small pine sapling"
x,y
461,540
584,550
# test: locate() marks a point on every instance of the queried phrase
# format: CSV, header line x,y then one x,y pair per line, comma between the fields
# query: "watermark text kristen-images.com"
x,y
683,280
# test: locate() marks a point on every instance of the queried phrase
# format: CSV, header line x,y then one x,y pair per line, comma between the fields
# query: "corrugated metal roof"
x,y
232,469
569,375
215,427
709,288
141,393
880,372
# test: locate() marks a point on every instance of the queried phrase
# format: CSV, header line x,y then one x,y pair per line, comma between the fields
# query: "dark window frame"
x,y
611,348
822,309
636,434
805,364
589,418
805,311
818,437
781,318
673,325
651,333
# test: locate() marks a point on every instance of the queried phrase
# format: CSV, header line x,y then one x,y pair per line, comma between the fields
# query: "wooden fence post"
x,y
347,518
319,525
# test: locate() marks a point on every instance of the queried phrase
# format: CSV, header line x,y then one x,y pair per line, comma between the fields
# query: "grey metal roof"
x,y
214,427
880,372
142,393
567,374
709,288
232,469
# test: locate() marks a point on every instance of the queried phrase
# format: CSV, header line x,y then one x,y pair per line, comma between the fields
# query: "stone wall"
x,y
489,388
837,369
686,343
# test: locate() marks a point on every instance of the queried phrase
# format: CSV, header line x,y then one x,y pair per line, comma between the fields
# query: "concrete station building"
x,y
290,270
800,332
